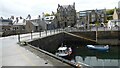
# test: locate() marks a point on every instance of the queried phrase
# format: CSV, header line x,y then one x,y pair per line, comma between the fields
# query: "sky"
x,y
37,7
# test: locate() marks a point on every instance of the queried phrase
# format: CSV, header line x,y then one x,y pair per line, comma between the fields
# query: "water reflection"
x,y
93,61
95,58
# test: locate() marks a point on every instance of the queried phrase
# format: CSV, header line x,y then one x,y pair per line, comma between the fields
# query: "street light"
x,y
18,36
31,33
39,21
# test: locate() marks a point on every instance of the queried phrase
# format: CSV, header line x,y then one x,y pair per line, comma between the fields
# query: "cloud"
x,y
36,7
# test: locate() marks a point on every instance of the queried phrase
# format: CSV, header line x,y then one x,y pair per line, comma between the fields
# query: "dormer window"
x,y
51,18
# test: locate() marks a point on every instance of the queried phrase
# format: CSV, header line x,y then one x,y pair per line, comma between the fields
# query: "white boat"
x,y
98,47
64,51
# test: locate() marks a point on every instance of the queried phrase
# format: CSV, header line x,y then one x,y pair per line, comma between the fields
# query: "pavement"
x,y
11,54
15,55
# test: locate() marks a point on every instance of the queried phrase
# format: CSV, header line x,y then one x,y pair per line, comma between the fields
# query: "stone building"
x,y
98,16
66,15
49,20
91,17
5,27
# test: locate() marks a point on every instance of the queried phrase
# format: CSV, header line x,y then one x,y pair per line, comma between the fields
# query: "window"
x,y
102,15
47,18
93,15
93,19
23,27
51,18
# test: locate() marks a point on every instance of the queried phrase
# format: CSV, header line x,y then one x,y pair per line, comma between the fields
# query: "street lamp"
x,y
39,25
31,33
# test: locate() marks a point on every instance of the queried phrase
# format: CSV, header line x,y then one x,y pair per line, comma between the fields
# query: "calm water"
x,y
95,58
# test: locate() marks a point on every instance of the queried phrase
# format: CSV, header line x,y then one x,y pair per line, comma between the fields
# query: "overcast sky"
x,y
36,7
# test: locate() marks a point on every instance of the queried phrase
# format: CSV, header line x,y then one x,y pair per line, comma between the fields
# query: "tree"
x,y
97,23
110,12
47,14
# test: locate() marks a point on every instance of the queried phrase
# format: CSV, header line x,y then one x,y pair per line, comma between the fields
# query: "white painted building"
x,y
113,23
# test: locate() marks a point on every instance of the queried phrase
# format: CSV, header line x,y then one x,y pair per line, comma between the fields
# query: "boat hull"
x,y
97,48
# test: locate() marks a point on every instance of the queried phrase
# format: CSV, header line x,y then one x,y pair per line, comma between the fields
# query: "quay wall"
x,y
51,43
103,37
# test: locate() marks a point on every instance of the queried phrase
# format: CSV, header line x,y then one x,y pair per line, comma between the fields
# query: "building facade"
x,y
116,14
5,27
50,23
91,17
66,15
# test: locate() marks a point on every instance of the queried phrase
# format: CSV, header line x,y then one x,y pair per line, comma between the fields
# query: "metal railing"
x,y
34,35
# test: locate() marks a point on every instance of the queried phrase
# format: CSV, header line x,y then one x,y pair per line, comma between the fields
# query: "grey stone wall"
x,y
49,43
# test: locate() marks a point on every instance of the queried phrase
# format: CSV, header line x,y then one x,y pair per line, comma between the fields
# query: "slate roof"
x,y
20,22
35,23
66,6
5,22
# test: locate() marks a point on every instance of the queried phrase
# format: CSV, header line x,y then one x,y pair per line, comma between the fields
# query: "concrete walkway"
x,y
14,55
11,54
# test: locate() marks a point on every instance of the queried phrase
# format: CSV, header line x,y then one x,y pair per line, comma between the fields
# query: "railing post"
x,y
104,28
50,31
54,31
59,30
18,37
31,34
46,32
40,33
90,28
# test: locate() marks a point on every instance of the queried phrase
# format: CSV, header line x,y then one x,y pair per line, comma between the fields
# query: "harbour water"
x,y
94,58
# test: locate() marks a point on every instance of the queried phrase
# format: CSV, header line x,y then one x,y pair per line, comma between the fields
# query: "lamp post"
x,y
39,25
18,36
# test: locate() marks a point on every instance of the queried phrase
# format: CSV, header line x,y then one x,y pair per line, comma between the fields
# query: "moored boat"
x,y
98,47
64,51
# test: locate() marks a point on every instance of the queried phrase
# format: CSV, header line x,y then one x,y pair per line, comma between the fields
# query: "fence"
x,y
33,35
95,29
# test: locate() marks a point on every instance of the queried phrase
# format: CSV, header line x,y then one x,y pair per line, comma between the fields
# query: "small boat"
x,y
98,47
64,51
